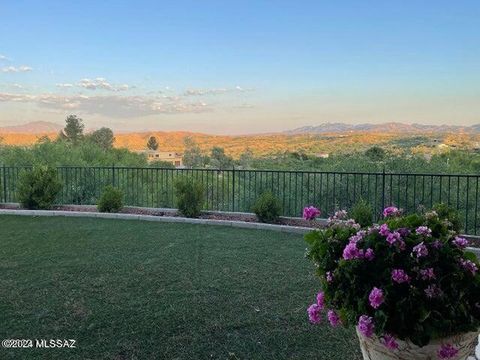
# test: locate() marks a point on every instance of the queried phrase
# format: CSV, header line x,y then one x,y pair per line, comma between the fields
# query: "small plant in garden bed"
x,y
408,278
111,200
190,196
38,188
267,208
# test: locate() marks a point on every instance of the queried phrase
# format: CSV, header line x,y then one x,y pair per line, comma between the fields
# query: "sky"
x,y
236,67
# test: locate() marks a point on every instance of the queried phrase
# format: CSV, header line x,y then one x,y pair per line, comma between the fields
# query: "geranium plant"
x,y
407,278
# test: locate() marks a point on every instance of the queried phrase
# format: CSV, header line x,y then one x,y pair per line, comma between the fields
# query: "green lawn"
x,y
144,290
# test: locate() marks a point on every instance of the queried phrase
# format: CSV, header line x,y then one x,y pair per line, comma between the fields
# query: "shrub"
x,y
190,195
408,278
38,188
111,200
362,213
267,208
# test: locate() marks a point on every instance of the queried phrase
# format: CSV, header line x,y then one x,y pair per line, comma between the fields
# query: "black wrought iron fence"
x,y
237,190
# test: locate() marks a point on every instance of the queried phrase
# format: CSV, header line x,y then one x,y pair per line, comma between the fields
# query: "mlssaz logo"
x,y
55,343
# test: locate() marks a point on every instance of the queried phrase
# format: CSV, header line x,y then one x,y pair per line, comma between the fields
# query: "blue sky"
x,y
239,67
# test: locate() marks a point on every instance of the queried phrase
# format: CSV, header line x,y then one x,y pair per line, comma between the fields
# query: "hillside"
x,y
278,143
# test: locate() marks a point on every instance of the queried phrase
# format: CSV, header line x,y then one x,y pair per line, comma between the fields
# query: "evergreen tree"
x,y
152,143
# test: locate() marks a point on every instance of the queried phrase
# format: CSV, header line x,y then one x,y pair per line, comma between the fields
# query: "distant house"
x,y
322,155
171,157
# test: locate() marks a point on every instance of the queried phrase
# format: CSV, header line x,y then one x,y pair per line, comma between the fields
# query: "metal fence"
x,y
237,190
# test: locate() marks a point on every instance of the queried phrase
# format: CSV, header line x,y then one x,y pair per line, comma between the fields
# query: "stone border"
x,y
167,219
172,219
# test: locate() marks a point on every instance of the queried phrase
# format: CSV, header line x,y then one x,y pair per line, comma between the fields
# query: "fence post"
x,y
383,189
4,174
233,189
113,175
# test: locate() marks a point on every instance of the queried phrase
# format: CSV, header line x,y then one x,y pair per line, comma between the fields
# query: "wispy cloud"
x,y
101,83
218,91
244,106
64,85
14,69
4,58
111,106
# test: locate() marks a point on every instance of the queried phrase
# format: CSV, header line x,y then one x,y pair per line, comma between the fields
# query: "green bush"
x,y
38,188
362,213
190,195
267,208
111,200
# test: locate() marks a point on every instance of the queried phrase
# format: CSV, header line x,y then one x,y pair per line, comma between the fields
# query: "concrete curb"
x,y
171,219
168,219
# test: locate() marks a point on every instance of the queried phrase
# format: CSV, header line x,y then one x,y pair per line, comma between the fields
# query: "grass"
x,y
144,290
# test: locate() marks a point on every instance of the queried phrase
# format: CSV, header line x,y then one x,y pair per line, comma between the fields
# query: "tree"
x,y
192,155
246,159
73,130
219,159
103,137
375,153
152,143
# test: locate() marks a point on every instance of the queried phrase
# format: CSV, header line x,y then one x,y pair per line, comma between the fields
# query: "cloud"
x,y
110,105
3,58
244,106
202,92
101,83
64,85
13,69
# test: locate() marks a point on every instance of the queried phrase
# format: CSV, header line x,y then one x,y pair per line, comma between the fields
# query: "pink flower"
x,y
384,230
469,266
460,242
366,325
369,254
376,298
358,236
447,351
333,318
314,313
393,237
400,276
424,230
321,300
391,211
329,276
352,252
420,250
437,244
311,212
427,274
433,291
390,342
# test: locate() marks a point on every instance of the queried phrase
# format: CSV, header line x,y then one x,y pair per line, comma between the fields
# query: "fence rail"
x,y
237,190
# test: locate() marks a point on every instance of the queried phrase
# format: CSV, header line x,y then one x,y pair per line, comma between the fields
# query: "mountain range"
x,y
43,127
36,127
391,127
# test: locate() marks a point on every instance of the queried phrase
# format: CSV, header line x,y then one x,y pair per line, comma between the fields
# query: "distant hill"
x,y
36,127
392,127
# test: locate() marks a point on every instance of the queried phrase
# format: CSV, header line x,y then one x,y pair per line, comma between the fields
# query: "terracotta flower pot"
x,y
373,349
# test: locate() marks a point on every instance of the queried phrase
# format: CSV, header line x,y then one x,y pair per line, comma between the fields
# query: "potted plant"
x,y
407,284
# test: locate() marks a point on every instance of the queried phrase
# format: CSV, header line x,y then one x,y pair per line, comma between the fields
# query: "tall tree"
x,y
103,137
219,159
152,143
192,155
74,127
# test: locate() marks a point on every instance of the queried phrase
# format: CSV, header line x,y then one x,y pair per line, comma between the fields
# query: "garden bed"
x,y
207,215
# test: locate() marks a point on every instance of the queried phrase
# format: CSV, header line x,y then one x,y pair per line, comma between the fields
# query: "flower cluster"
x,y
413,265
391,211
310,213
